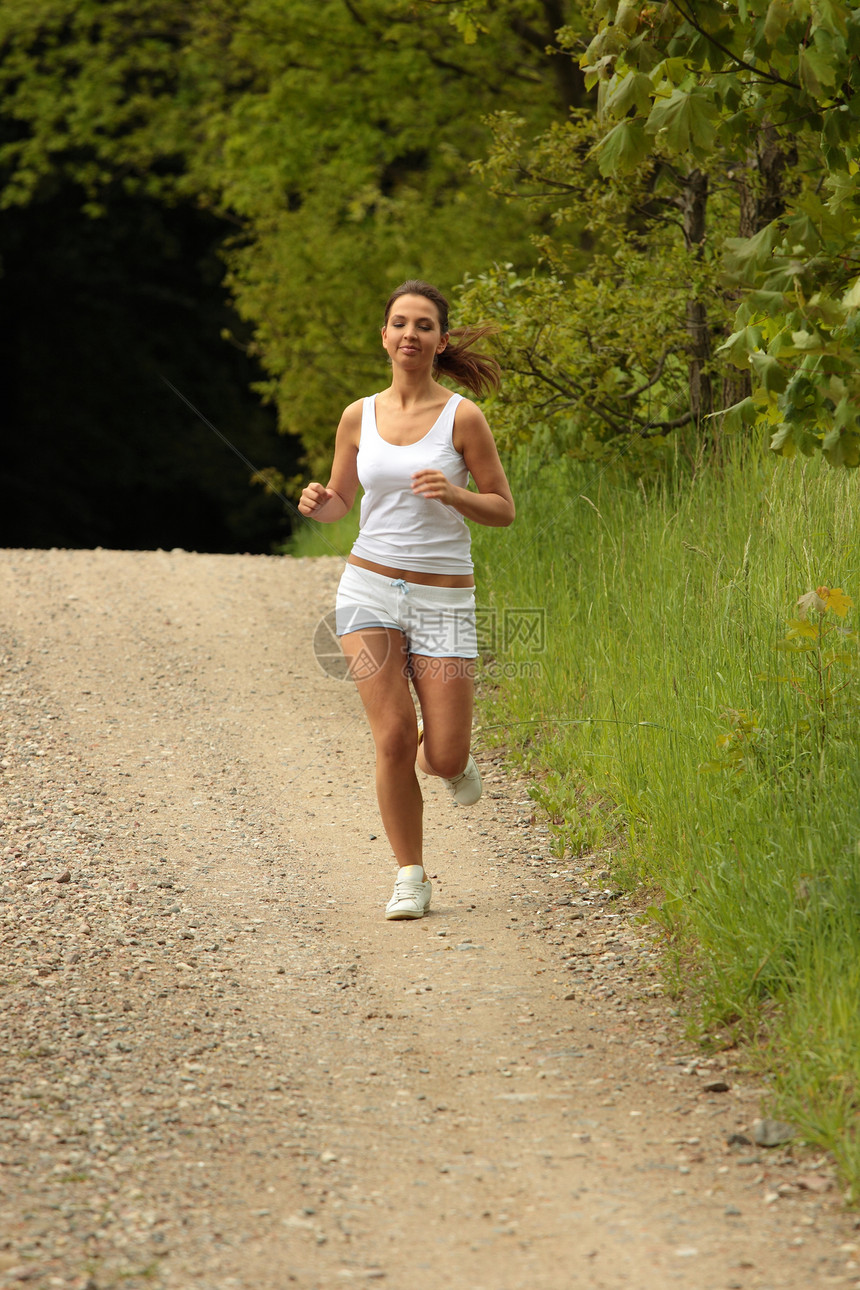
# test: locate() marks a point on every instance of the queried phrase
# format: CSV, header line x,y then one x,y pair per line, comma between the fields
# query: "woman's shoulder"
x,y
352,414
468,415
470,425
349,426
355,409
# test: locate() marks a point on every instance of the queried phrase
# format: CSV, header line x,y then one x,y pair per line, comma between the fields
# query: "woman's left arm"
x,y
493,503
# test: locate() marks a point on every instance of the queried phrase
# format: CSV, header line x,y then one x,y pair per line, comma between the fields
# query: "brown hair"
x,y
478,372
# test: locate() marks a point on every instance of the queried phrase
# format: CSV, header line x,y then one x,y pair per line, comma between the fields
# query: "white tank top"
x,y
396,527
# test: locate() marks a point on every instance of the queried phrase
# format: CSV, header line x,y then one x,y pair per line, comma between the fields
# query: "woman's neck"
x,y
409,392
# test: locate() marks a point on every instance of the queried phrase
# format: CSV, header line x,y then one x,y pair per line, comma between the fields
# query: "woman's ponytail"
x,y
478,372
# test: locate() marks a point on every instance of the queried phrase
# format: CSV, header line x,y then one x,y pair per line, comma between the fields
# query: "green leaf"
x,y
773,302
771,376
831,15
624,148
672,70
816,70
465,24
783,441
831,312
845,414
740,345
739,416
842,448
805,340
782,345
632,91
688,121
778,17
608,43
808,443
627,17
743,255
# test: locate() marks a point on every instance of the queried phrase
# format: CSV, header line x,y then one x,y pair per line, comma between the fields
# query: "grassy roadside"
x,y
639,660
673,716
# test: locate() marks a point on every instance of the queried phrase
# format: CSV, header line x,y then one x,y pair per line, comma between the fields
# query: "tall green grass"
x,y
666,725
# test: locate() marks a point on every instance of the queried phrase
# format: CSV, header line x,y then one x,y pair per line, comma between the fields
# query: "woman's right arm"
x,y
336,499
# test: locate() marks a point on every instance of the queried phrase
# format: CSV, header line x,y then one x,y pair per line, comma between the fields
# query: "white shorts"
x,y
436,621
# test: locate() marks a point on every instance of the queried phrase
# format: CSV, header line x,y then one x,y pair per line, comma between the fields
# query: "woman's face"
x,y
412,336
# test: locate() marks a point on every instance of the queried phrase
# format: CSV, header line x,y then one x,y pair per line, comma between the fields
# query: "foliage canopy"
x,y
705,83
686,255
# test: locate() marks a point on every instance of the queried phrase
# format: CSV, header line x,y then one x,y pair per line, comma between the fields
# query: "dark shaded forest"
x,y
95,312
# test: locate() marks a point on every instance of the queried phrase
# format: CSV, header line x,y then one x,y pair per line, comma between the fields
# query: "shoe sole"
x,y
471,802
405,909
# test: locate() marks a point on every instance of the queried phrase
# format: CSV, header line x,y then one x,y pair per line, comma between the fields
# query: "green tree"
x,y
596,340
762,93
607,344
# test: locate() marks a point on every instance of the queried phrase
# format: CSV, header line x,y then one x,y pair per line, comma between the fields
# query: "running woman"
x,y
405,609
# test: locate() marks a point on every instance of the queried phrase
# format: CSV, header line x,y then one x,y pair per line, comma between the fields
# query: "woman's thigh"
x,y
379,665
445,689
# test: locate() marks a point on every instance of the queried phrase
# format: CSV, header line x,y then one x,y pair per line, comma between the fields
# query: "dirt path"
x,y
222,1068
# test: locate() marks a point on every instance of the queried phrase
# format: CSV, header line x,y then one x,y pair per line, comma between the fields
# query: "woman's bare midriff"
x,y
413,575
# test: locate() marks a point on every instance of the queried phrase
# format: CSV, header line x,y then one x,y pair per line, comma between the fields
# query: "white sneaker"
x,y
466,787
411,897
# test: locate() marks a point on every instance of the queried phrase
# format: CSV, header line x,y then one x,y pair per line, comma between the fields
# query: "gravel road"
x,y
221,1067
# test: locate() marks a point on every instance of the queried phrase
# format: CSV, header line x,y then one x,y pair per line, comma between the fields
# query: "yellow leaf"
x,y
837,600
800,627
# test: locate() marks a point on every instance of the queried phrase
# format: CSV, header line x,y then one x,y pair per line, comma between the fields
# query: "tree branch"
x,y
769,76
634,394
356,16
620,421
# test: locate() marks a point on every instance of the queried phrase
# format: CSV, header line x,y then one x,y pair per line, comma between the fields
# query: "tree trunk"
x,y
569,79
694,204
761,199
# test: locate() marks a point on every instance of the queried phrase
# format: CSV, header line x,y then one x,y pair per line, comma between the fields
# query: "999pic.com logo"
x,y
331,658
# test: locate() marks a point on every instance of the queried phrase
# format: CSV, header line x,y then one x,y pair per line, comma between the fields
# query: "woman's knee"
x,y
397,743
